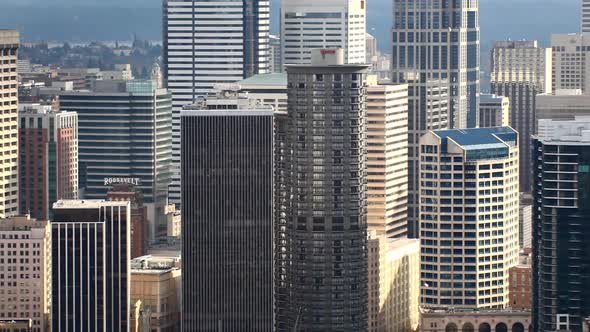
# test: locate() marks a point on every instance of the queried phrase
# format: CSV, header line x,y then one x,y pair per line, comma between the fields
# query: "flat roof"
x,y
480,137
279,79
238,112
87,203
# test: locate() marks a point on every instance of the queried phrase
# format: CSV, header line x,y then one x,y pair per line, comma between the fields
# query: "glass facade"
x,y
561,265
227,220
90,259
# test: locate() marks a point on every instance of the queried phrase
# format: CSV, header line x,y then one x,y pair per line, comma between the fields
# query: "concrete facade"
x,y
309,24
470,321
25,271
494,111
394,283
9,44
571,61
387,159
156,290
469,216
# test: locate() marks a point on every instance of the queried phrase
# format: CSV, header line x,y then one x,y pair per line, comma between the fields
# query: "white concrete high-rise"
x,y
387,159
206,43
571,61
9,43
312,24
469,216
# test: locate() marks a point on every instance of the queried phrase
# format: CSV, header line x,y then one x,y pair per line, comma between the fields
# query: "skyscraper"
x,y
125,136
320,202
206,44
428,109
585,16
26,267
48,152
561,251
9,43
311,24
469,216
387,159
90,242
494,111
571,62
520,70
227,215
440,40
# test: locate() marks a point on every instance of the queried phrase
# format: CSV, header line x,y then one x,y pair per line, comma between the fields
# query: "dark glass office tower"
x,y
90,253
206,44
321,217
561,249
125,136
439,39
227,222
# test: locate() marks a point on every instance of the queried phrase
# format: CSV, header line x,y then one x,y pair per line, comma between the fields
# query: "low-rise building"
x,y
16,325
520,286
475,320
394,283
155,293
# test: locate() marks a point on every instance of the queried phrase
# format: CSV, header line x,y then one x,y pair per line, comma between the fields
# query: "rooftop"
x,y
9,37
86,204
565,131
480,143
478,137
21,223
516,44
486,98
278,79
154,264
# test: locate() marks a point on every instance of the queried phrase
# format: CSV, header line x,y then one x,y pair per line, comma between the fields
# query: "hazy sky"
x,y
119,19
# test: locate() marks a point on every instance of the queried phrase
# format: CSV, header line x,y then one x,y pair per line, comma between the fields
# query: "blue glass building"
x,y
124,136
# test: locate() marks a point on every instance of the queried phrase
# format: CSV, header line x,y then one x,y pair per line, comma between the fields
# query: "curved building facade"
x,y
321,227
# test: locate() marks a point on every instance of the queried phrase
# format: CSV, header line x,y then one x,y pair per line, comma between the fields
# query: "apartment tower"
x,y
227,215
561,251
320,202
207,43
9,43
310,24
520,70
440,40
468,216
